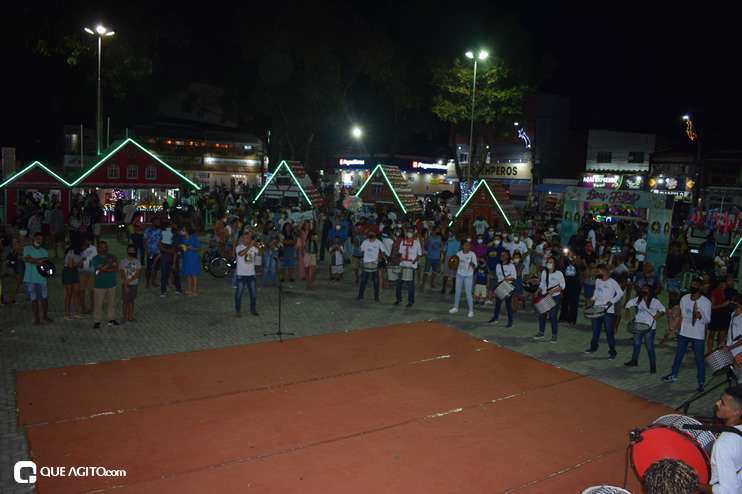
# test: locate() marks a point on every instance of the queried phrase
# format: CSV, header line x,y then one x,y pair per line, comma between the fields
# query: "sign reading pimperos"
x,y
506,170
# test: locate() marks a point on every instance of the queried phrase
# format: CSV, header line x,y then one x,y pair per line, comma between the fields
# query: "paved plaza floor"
x,y
180,323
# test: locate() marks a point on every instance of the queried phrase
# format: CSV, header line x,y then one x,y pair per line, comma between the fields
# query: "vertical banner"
x,y
571,219
658,236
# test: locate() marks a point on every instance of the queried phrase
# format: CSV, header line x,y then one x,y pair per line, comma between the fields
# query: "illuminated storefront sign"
x,y
351,162
428,166
520,171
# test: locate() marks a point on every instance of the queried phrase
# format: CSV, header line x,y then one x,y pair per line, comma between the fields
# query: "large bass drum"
x,y
665,438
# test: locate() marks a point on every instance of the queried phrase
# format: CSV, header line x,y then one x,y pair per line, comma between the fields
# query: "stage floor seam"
x,y
263,388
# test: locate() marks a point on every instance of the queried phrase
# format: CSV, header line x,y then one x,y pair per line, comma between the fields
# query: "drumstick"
x,y
694,313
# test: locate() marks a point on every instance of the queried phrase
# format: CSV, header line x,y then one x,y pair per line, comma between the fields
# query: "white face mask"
x,y
337,227
410,234
496,242
516,238
550,266
37,244
551,229
23,232
479,240
468,240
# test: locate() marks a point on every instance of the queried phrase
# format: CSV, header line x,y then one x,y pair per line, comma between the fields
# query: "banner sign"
x,y
615,197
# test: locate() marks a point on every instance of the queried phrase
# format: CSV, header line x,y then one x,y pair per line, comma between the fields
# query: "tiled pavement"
x,y
180,324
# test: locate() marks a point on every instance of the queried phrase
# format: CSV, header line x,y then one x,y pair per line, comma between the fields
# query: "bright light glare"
x,y
686,117
88,30
516,124
469,54
110,33
483,55
100,29
357,132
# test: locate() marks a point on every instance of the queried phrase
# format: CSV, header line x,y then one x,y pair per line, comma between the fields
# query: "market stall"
x,y
387,189
128,171
490,200
290,185
37,180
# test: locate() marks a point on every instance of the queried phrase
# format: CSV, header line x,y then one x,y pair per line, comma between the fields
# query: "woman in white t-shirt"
x,y
246,252
552,283
648,311
734,335
464,276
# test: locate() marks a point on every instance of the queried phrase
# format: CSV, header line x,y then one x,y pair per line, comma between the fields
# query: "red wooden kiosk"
x,y
490,200
386,189
38,180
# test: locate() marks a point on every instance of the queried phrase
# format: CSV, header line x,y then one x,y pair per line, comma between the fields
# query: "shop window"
x,y
636,157
376,188
604,157
150,172
113,170
132,172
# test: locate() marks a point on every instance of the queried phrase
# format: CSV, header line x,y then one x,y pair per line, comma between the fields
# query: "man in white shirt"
x,y
480,225
696,313
372,249
410,251
726,457
607,294
640,246
246,252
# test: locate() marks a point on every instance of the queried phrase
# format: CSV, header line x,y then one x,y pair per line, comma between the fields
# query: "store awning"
x,y
558,188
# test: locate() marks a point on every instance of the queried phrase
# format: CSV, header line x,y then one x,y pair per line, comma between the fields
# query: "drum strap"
x,y
713,428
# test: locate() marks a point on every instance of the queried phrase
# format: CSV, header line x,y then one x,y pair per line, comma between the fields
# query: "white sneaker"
x,y
488,302
453,311
471,314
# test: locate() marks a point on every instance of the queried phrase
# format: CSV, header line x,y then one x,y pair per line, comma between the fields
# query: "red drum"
x,y
544,304
665,439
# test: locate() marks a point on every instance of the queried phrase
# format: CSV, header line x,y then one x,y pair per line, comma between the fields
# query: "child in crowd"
x,y
482,277
213,240
337,259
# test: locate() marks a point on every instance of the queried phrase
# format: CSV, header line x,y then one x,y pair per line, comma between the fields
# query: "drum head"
x,y
638,327
453,263
662,441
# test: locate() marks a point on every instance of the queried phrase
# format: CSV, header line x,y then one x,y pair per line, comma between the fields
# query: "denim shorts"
x,y
431,264
36,291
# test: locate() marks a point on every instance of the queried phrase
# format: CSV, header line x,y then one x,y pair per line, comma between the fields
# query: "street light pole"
x,y
100,31
482,56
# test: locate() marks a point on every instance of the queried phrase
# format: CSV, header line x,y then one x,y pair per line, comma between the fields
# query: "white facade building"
x,y
619,152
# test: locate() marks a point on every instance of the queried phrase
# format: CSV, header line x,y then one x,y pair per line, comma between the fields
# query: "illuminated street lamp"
x,y
357,132
482,55
100,31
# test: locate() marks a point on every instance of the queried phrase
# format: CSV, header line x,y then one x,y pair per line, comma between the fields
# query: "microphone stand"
x,y
280,297
729,381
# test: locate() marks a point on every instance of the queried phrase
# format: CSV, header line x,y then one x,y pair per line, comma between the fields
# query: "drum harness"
x,y
546,282
641,301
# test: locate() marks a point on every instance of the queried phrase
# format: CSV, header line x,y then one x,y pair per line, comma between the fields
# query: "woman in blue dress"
x,y
191,269
288,260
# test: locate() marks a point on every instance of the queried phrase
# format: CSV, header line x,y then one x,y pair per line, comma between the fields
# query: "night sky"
x,y
632,66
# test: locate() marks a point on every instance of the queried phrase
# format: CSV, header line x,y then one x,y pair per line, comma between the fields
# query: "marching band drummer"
x,y
607,293
552,283
410,252
734,335
505,271
696,311
726,457
648,311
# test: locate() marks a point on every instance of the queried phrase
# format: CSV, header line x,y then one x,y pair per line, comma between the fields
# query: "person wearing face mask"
x,y
130,269
410,252
648,311
518,283
191,247
480,226
433,257
36,285
337,231
505,271
105,266
479,248
464,277
552,283
489,236
607,294
696,314
372,251
493,256
453,245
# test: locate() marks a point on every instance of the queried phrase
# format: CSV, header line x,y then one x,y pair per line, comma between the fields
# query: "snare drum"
x,y
638,328
408,273
596,311
544,304
665,439
370,267
718,361
504,290
605,489
392,273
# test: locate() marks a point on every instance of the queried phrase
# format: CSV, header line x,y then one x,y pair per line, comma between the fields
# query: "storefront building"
x,y
37,180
